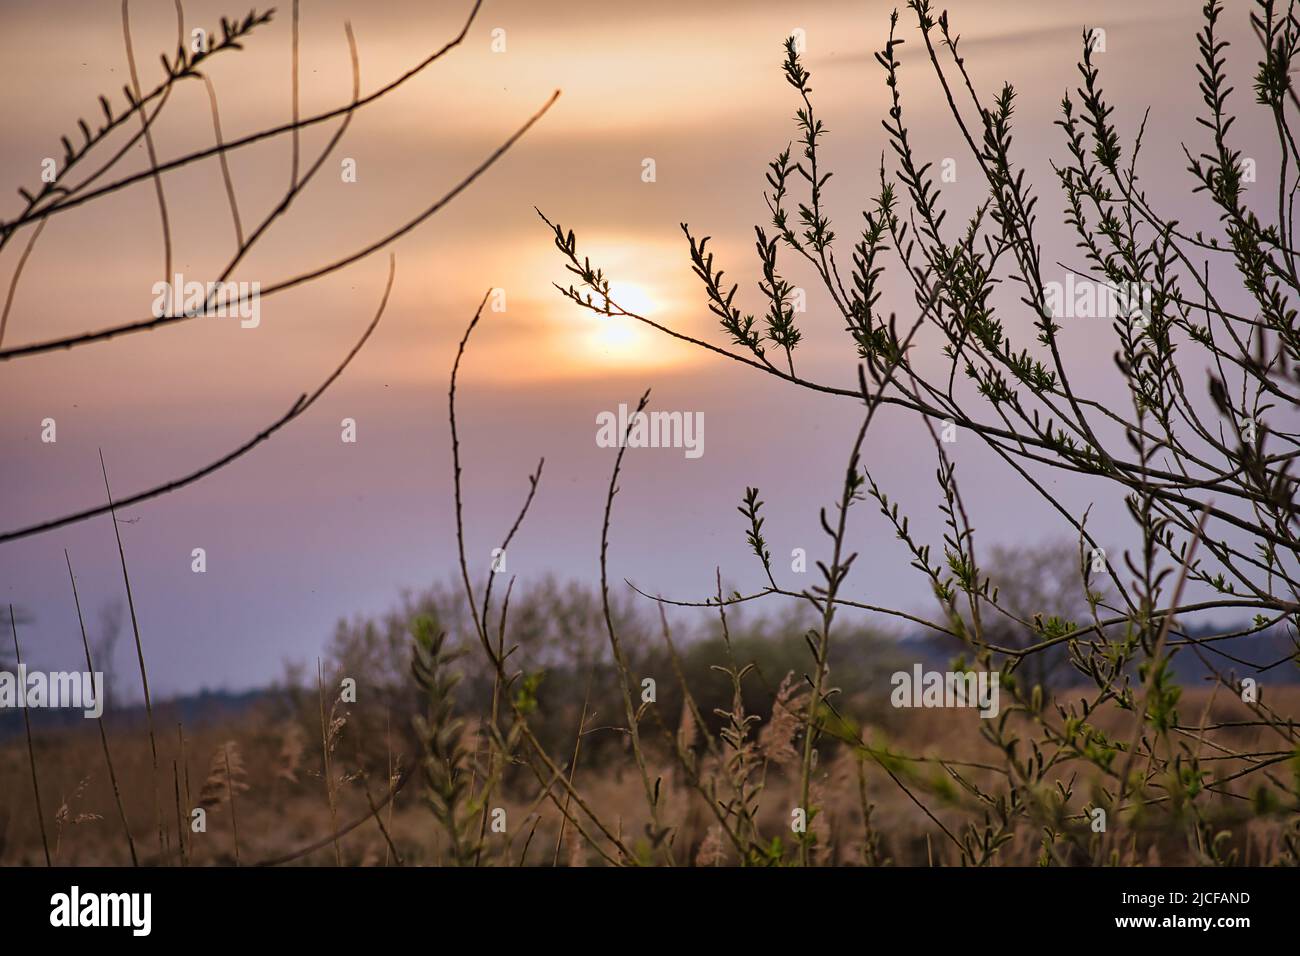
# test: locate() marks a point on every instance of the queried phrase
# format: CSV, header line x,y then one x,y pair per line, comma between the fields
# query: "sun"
x,y
632,297
619,338
629,296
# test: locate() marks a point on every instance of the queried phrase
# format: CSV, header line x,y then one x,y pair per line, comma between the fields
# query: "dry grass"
x,y
279,811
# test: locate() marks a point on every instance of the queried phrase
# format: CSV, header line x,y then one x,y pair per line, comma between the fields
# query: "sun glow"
x,y
583,342
619,338
630,297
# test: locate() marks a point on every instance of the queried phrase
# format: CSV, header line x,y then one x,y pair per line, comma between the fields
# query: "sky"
x,y
308,529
